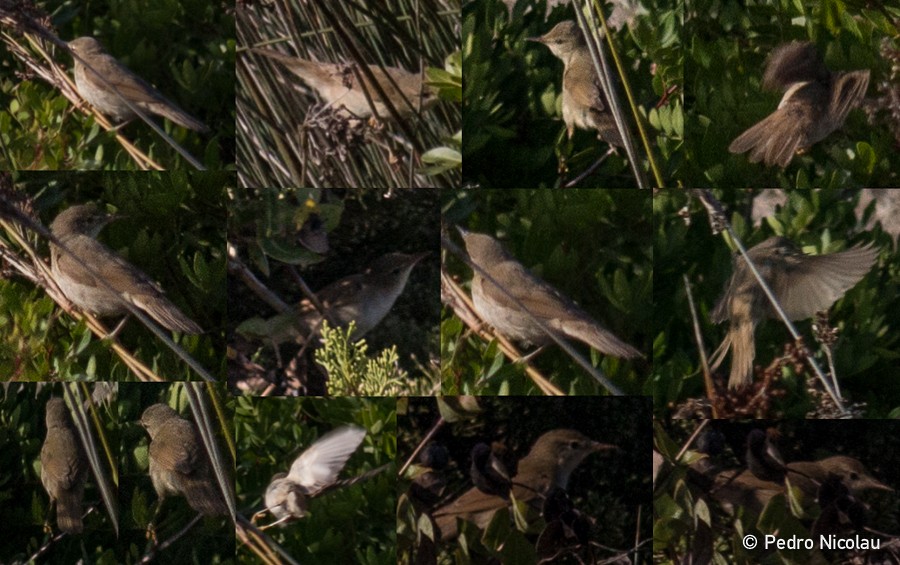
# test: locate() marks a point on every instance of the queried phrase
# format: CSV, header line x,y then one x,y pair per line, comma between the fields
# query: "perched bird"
x,y
364,298
77,268
179,464
63,467
841,511
803,284
816,102
130,86
428,480
741,489
810,475
552,459
763,457
584,105
314,473
339,85
490,471
543,301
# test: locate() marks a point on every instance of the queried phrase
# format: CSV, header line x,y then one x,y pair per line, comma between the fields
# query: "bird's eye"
x,y
854,476
574,444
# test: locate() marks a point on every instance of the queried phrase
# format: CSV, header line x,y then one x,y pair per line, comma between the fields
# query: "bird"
x,y
179,463
63,467
364,298
89,51
547,466
490,469
584,104
428,480
735,489
314,473
543,301
803,284
764,460
79,263
815,103
339,86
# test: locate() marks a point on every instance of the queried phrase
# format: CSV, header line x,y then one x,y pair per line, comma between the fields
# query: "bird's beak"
x,y
597,446
416,257
871,483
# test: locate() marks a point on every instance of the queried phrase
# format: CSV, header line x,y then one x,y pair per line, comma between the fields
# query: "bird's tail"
x,y
599,338
743,350
357,479
68,510
180,117
168,315
203,495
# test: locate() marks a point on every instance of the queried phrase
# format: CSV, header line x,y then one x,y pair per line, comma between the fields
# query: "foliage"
x,y
173,233
611,488
820,222
724,64
212,540
591,245
25,504
513,134
691,525
361,226
352,373
354,524
289,139
182,48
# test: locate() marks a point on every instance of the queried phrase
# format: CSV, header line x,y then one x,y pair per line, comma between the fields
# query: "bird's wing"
x,y
118,273
543,300
62,464
815,282
339,292
129,84
595,99
176,448
791,63
320,464
472,501
776,138
848,90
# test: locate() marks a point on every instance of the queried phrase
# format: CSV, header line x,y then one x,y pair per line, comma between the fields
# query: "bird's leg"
x,y
112,335
592,168
258,515
276,522
532,355
121,125
48,529
278,358
151,526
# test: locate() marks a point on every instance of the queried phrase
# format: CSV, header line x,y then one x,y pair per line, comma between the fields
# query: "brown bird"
x,y
339,86
364,298
584,104
803,284
179,464
129,85
63,467
740,489
76,228
552,459
816,102
544,302
314,473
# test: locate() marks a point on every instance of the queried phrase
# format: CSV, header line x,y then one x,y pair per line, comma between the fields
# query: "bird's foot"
x,y
113,334
532,355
